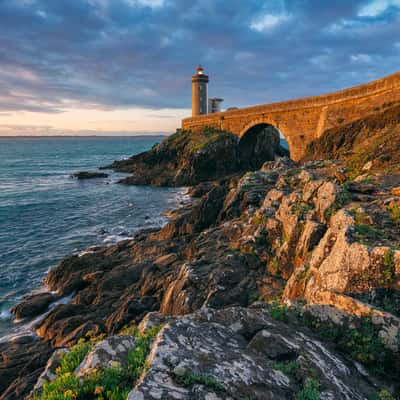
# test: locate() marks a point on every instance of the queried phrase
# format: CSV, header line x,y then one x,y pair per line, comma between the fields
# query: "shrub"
x,y
190,379
70,361
129,330
394,210
253,296
107,384
310,391
276,266
301,209
361,341
383,395
289,368
279,311
389,267
367,232
259,219
343,197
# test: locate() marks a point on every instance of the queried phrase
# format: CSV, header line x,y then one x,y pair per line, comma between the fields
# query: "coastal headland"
x,y
280,279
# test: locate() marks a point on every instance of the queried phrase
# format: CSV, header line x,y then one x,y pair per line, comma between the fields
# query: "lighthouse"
x,y
199,92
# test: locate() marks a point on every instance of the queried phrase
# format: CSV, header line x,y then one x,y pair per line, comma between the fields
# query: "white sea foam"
x,y
27,329
5,315
111,239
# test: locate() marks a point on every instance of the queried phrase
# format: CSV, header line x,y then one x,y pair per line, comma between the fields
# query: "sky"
x,y
124,67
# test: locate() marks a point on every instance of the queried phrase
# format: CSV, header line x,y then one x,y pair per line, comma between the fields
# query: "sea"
x,y
45,215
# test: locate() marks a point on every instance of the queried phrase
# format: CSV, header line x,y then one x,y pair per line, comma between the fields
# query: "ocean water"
x,y
46,215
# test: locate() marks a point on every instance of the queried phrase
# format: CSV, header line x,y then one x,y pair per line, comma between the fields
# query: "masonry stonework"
x,y
303,120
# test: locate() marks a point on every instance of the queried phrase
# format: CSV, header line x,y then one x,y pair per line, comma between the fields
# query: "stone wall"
x,y
303,120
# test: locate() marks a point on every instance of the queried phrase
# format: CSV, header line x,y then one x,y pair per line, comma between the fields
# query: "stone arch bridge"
x,y
303,120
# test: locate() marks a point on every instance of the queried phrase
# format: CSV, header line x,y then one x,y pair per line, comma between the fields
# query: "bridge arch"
x,y
259,142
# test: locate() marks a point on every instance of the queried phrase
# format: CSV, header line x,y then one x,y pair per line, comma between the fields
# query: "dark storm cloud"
x,y
56,54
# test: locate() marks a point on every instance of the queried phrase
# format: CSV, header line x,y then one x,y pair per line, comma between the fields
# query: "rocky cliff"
x,y
187,158
372,142
280,283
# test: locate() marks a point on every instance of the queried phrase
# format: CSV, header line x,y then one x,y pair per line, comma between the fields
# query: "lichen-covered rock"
x,y
217,354
49,372
111,352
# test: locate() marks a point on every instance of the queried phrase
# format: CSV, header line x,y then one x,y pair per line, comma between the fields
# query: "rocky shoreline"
x,y
279,283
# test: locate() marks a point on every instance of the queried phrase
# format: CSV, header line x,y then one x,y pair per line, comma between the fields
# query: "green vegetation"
x,y
275,266
279,311
190,379
389,305
259,219
360,340
193,141
389,266
301,209
394,210
364,231
107,384
310,391
343,197
71,360
247,249
367,232
383,395
129,330
289,368
253,296
371,138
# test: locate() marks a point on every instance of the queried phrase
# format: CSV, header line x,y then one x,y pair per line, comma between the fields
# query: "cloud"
x,y
110,55
375,8
360,58
146,3
268,21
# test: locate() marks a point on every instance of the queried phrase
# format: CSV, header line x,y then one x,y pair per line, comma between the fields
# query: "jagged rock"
x,y
311,235
226,365
310,189
325,198
256,237
272,346
288,218
49,373
166,260
21,362
34,305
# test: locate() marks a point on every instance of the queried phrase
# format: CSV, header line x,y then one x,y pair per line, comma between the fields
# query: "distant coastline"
x,y
81,136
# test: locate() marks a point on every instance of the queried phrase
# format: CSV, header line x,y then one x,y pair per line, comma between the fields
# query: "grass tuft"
x,y
106,384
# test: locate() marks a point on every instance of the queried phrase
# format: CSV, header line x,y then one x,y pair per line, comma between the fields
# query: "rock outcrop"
x,y
89,175
187,158
231,353
370,144
293,235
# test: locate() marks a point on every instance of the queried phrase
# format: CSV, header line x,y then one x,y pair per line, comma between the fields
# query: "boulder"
x,y
109,353
89,175
33,305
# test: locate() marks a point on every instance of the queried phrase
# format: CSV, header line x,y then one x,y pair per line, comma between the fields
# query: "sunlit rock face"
x,y
306,235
